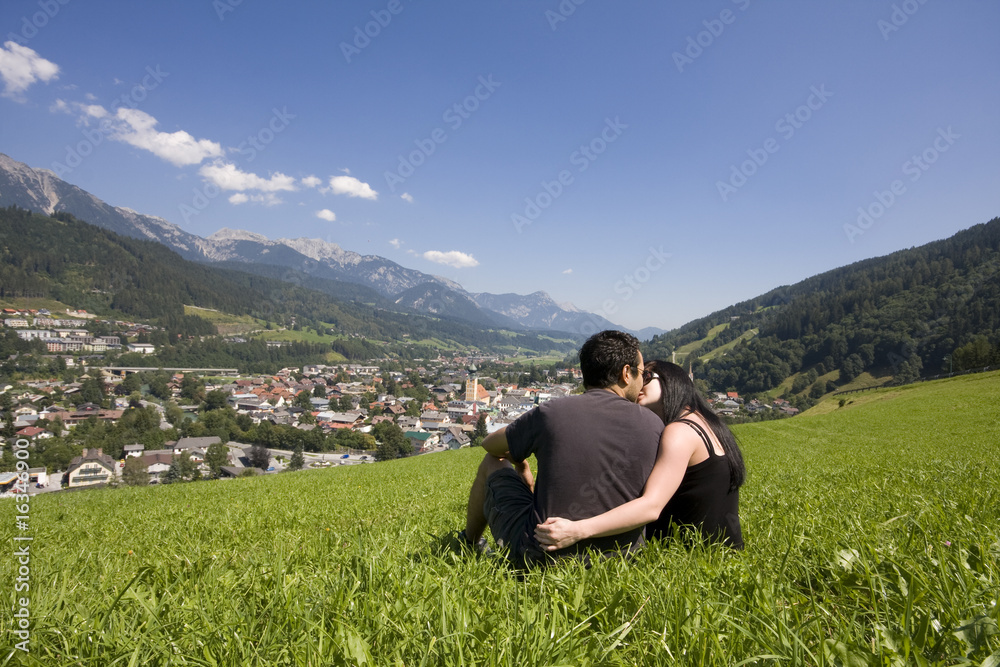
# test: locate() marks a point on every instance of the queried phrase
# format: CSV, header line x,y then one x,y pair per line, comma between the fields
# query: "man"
x,y
594,452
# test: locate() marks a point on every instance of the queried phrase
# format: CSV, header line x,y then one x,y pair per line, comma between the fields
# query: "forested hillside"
x,y
76,263
915,312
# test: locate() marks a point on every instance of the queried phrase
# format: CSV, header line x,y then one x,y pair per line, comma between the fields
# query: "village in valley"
x,y
336,410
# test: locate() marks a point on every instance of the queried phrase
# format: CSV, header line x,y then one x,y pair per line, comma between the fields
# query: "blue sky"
x,y
651,162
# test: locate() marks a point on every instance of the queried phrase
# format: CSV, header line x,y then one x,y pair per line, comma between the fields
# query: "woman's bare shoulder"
x,y
679,434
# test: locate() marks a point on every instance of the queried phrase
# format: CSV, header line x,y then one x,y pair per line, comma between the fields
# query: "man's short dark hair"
x,y
604,355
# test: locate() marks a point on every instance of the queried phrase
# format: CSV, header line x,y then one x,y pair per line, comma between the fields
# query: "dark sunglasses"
x,y
648,375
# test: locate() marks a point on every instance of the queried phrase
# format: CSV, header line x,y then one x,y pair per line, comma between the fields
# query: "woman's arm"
x,y
677,444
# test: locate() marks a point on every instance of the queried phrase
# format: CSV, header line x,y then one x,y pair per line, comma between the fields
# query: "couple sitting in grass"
x,y
638,453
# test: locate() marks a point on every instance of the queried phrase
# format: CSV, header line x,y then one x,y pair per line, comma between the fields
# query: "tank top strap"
x,y
704,436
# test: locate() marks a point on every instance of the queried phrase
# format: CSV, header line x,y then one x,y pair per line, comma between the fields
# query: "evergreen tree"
x,y
481,432
260,457
173,473
298,460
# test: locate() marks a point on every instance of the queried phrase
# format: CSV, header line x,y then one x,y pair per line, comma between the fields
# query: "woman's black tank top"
x,y
703,501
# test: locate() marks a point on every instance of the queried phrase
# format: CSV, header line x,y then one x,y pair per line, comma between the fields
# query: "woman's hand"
x,y
557,533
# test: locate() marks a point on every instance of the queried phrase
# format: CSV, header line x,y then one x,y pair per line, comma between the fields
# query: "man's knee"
x,y
491,464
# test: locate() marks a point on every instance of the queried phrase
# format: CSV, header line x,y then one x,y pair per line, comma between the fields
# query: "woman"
x,y
695,482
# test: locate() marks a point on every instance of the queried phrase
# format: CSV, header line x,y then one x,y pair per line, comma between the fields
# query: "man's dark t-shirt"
x,y
594,452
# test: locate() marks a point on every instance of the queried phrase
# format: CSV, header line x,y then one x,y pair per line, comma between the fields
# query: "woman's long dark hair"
x,y
679,396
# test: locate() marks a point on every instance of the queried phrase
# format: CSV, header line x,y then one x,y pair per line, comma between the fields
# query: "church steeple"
x,y
472,385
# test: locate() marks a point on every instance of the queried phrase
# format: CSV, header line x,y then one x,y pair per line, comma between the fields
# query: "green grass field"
x,y
684,350
226,323
723,349
872,539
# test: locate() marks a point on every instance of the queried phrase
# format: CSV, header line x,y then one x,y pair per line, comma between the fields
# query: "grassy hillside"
x,y
725,348
226,324
685,350
872,538
913,313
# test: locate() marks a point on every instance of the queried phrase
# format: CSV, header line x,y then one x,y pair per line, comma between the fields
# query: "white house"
x,y
90,468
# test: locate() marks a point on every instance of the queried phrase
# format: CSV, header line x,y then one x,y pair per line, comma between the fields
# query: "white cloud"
x,y
179,148
452,258
568,271
352,187
91,97
85,113
226,176
266,199
395,243
326,214
311,181
94,110
20,67
406,196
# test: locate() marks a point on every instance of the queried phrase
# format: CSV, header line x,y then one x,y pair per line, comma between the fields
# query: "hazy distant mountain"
x,y
41,190
436,299
539,311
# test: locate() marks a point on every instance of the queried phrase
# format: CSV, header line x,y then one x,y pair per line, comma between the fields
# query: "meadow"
x,y
872,530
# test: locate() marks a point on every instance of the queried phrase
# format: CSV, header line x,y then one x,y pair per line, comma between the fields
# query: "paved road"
x,y
312,458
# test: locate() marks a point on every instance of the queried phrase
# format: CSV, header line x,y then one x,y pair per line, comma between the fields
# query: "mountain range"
x,y
302,260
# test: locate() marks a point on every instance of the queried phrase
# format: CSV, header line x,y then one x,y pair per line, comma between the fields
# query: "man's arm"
x,y
496,443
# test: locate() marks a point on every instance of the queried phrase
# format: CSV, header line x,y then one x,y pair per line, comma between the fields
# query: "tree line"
x,y
915,312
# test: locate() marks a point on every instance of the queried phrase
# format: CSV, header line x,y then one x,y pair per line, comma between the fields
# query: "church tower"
x,y
472,385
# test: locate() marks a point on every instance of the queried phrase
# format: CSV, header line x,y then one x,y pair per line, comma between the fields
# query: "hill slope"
x,y
897,505
913,312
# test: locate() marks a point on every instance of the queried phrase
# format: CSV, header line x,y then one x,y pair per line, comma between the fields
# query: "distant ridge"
x,y
42,191
915,312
